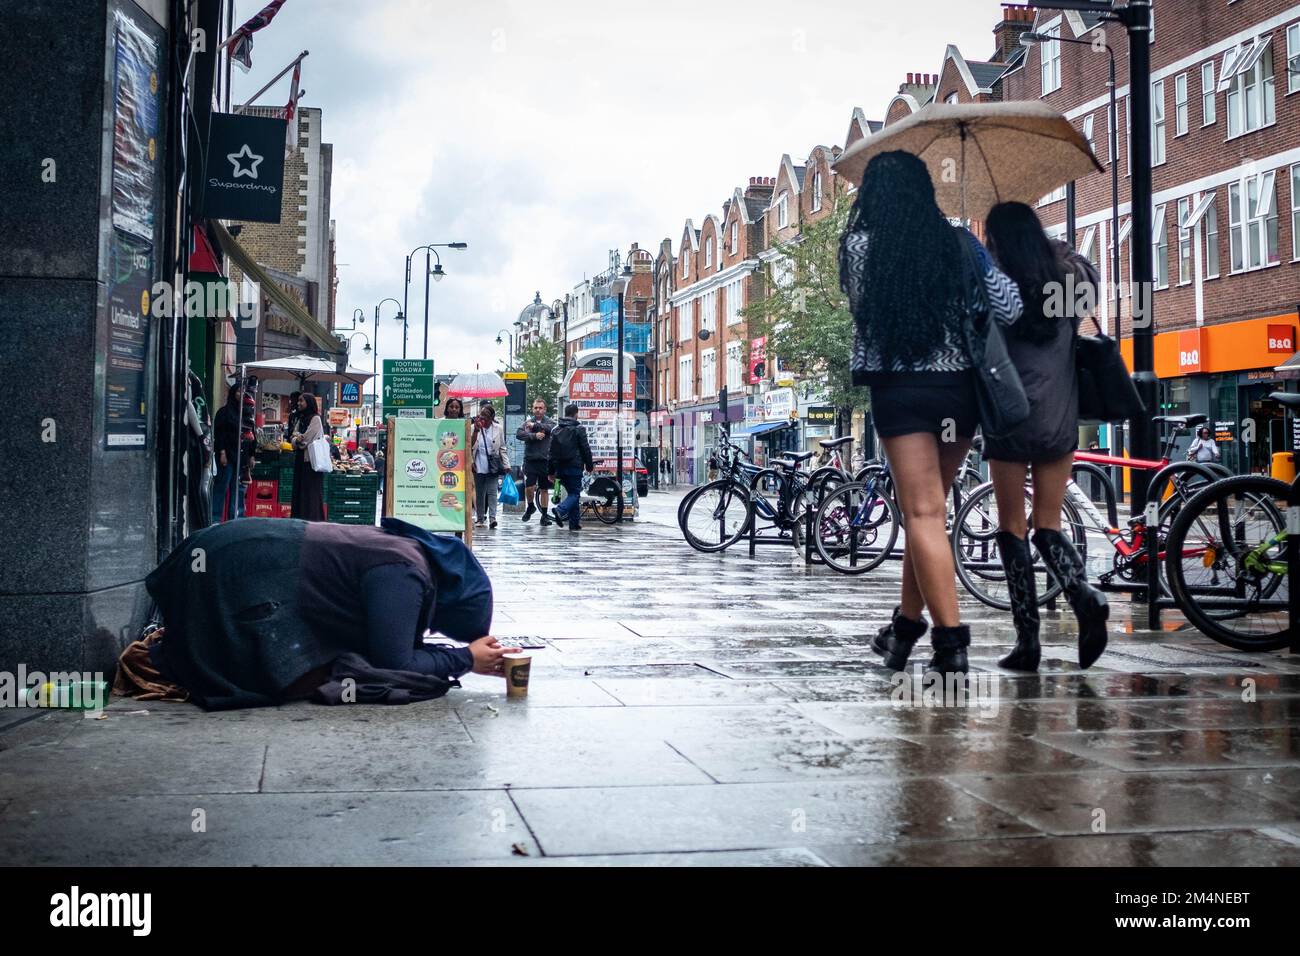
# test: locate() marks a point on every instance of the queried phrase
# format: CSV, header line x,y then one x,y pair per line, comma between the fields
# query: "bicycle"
x,y
599,497
1226,560
856,525
1172,484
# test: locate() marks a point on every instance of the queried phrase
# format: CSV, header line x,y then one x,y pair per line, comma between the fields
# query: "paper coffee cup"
x,y
516,667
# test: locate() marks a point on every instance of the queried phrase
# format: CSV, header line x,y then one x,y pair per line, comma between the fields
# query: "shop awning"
x,y
319,335
761,428
1291,367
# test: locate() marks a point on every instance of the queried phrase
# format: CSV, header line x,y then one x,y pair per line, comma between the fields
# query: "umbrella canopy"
x,y
304,368
477,385
981,154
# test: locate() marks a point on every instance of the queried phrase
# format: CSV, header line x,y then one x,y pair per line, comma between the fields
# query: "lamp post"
x,y
437,274
510,353
618,286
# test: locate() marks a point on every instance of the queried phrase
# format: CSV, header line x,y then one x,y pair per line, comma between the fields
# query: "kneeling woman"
x,y
256,611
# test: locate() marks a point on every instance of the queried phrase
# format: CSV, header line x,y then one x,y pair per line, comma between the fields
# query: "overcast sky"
x,y
546,134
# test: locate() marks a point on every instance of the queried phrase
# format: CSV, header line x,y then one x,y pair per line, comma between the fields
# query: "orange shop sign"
x,y
1281,339
1191,350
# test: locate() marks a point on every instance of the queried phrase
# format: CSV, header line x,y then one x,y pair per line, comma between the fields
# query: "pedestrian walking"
x,y
911,278
570,457
1041,346
225,440
1203,447
535,433
489,447
308,502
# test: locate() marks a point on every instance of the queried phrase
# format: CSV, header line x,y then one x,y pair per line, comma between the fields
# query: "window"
x,y
1180,104
1184,242
1207,94
1056,195
1157,122
708,312
950,98
1088,244
1050,65
1160,242
709,372
782,212
1252,221
1295,211
735,232
1125,230
817,191
1087,133
734,380
708,252
686,377
1128,134
1250,92
685,321
1292,51
1212,239
686,267
732,304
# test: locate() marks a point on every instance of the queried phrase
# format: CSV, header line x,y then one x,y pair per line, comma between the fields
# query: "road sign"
x,y
408,388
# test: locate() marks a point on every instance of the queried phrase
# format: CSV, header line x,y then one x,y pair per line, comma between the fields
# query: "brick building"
x,y
1226,183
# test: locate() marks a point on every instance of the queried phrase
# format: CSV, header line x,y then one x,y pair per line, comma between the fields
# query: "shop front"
x,y
1227,372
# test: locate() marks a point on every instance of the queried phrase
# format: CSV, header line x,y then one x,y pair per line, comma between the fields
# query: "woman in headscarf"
x,y
911,279
308,502
260,611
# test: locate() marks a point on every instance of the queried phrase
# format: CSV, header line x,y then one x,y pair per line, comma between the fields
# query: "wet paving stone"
x,y
1184,749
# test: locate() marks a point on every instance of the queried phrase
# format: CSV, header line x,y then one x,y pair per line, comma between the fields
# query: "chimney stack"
x,y
1017,19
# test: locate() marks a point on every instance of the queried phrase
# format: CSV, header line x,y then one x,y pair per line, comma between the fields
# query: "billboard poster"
x,y
429,482
125,362
592,390
758,360
515,413
137,128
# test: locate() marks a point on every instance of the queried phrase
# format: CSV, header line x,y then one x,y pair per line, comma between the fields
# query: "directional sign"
x,y
408,388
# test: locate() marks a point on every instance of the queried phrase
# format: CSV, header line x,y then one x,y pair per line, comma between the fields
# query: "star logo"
x,y
237,165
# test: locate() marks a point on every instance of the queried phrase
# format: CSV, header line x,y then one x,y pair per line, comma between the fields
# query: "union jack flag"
x,y
241,41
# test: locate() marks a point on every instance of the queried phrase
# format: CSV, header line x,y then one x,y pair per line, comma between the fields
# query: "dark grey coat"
x,y
1047,372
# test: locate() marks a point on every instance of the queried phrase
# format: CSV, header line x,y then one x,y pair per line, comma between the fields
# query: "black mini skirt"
x,y
925,402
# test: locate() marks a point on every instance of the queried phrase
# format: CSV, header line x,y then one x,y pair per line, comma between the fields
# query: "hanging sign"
x,y
244,177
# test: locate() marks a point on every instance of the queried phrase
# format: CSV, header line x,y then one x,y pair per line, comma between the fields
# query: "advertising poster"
x,y
137,130
125,402
516,411
592,390
429,485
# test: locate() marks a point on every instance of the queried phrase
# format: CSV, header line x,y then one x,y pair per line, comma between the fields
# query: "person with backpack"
x,y
570,456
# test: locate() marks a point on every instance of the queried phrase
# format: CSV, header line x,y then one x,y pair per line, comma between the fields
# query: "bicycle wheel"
x,y
605,495
978,559
717,516
1225,560
855,527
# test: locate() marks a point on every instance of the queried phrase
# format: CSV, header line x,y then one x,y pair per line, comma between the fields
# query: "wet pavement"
x,y
693,709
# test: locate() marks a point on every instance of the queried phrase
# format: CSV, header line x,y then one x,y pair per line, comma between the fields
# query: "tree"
x,y
543,361
805,315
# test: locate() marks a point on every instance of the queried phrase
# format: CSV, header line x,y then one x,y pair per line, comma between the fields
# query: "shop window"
x,y
1176,396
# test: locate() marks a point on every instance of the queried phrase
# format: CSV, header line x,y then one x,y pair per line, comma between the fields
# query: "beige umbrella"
x,y
981,154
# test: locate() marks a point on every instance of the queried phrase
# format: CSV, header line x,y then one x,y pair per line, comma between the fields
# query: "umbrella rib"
x,y
993,182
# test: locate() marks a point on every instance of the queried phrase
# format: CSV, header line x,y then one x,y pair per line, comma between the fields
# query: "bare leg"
x,y
924,469
912,603
1050,479
1009,491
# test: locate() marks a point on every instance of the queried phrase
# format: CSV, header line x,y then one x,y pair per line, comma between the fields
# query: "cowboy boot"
x,y
950,645
1019,565
895,640
1088,603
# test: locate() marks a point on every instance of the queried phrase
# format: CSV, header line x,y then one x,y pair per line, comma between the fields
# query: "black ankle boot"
x,y
1089,604
950,645
896,639
1019,565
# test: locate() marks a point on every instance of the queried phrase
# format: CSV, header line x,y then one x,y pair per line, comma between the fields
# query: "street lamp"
x,y
374,364
435,272
510,354
618,286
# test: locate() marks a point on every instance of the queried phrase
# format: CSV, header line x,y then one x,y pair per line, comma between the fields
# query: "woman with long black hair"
x,y
308,501
911,279
1053,280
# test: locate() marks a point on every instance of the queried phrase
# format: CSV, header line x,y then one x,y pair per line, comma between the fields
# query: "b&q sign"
x,y
1281,338
1191,350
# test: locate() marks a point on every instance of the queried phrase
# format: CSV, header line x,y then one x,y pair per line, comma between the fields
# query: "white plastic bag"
x,y
318,454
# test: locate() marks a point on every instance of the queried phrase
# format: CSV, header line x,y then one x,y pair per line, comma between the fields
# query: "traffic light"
x,y
437,393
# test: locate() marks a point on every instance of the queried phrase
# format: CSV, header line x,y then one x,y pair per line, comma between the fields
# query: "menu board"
x,y
428,483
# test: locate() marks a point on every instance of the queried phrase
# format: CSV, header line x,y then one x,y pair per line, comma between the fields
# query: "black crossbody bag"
x,y
1003,404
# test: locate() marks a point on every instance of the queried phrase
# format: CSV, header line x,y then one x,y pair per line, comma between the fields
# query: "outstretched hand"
x,y
487,653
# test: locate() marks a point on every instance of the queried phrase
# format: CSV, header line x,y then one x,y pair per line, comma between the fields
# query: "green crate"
x,y
348,517
265,472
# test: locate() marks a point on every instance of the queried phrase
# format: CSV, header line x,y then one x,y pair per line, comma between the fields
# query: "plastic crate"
x,y
350,517
265,471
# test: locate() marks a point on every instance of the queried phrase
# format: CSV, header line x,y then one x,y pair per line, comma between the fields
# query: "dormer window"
x,y
734,241
782,211
817,191
708,252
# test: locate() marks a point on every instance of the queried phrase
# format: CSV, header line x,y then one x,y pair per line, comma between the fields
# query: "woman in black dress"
x,y
1041,345
308,484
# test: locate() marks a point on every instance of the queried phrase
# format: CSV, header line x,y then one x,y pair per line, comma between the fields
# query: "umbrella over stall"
x,y
477,385
982,154
303,369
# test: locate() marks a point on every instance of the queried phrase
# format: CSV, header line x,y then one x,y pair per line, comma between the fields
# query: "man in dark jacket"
x,y
570,456
225,444
535,433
